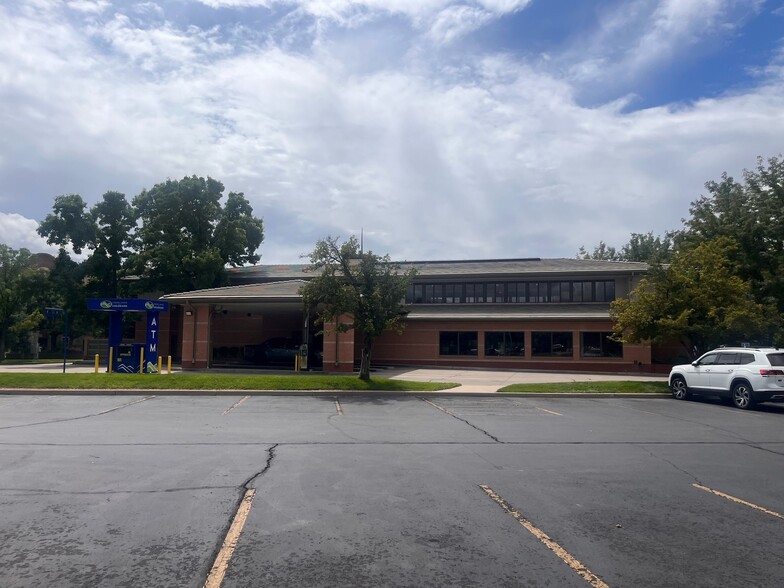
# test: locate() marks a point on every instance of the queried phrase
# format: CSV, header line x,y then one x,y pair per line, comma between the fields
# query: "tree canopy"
x,y
641,247
21,288
698,300
176,236
187,237
356,290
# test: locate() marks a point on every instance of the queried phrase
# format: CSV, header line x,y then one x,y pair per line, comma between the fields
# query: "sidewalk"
x,y
489,381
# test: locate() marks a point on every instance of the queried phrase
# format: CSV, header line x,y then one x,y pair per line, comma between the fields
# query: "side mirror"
x,y
695,363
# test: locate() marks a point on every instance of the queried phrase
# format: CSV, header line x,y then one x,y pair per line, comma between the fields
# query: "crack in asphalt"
x,y
242,492
454,416
667,461
85,416
267,466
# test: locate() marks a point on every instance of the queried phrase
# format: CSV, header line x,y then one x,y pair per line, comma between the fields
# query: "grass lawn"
x,y
103,381
619,387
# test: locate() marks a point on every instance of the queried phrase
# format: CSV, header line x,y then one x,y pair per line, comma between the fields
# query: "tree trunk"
x,y
364,366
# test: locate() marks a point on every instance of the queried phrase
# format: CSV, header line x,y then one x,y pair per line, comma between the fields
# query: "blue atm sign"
x,y
127,304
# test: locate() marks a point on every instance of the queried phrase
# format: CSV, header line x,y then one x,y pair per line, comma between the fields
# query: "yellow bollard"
x,y
141,361
168,365
160,364
97,362
111,358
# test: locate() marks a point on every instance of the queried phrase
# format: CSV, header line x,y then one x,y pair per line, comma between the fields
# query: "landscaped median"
x,y
305,382
297,382
616,387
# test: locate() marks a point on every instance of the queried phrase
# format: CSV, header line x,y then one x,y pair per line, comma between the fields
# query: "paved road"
x,y
389,491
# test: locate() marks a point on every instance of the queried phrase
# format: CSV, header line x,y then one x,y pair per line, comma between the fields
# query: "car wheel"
x,y
679,388
742,395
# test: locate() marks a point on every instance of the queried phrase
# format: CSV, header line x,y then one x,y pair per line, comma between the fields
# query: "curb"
x,y
318,393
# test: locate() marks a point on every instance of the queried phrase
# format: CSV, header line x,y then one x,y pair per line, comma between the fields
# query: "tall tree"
x,y
751,214
698,300
647,248
602,252
186,237
367,288
643,247
106,230
115,222
69,222
20,284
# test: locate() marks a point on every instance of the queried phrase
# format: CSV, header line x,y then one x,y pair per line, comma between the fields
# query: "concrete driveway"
x,y
492,380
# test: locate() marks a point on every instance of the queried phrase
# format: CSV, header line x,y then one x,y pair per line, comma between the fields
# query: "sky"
x,y
439,129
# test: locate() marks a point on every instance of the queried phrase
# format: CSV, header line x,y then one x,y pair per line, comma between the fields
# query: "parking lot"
x,y
379,490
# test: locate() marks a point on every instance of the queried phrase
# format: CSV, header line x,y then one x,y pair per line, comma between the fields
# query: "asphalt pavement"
x,y
355,490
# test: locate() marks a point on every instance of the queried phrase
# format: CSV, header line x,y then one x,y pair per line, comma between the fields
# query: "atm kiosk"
x,y
128,358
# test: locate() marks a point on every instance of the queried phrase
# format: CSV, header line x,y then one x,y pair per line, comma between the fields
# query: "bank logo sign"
x,y
106,303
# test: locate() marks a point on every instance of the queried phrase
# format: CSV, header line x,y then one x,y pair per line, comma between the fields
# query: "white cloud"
x,y
89,6
641,35
20,232
494,159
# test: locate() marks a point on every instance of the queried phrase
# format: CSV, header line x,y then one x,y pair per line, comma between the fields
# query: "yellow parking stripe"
x,y
235,405
548,411
565,556
739,501
338,407
218,571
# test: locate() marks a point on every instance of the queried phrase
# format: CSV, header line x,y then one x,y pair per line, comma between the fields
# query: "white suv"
x,y
744,375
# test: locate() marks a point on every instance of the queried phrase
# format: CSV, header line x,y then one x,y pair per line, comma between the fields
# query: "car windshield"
x,y
776,358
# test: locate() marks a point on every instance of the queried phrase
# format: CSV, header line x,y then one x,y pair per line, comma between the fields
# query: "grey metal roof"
x,y
282,290
506,268
508,312
523,267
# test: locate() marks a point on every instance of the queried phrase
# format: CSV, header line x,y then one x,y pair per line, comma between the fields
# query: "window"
x,y
512,292
497,292
451,293
428,293
566,292
504,343
551,343
474,293
728,359
458,343
577,291
599,345
419,293
709,359
587,291
516,292
555,291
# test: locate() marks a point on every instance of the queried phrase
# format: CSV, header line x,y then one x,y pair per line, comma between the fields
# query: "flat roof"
x,y
285,290
472,268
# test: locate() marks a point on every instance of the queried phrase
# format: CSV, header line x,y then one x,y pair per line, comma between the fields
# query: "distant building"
x,y
506,314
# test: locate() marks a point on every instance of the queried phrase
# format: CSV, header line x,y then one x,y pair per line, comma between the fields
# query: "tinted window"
x,y
709,359
727,358
458,343
746,358
776,358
